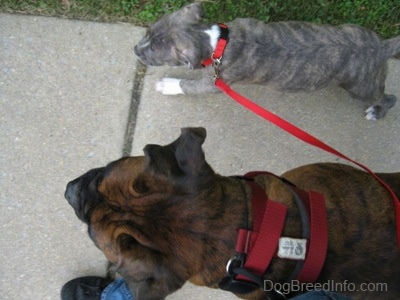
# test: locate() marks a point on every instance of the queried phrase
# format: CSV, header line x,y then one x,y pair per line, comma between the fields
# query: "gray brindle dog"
x,y
291,56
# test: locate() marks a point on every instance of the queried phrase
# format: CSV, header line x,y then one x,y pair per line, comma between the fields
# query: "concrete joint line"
x,y
135,101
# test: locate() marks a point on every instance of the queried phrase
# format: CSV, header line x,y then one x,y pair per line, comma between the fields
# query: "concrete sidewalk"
x,y
65,96
65,90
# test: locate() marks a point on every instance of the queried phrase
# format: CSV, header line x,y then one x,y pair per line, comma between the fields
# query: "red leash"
x,y
285,125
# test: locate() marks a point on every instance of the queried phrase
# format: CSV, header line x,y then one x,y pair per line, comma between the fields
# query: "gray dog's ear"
x,y
189,153
190,14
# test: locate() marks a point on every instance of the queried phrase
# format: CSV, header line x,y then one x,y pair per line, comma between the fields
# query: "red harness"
x,y
263,251
256,247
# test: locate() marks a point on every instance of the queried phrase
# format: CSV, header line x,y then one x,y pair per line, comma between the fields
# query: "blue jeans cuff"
x,y
117,290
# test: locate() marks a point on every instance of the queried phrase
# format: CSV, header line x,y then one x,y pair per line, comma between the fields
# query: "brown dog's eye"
x,y
140,186
115,208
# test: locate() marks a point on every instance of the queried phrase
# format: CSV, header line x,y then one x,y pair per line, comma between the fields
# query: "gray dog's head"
x,y
177,39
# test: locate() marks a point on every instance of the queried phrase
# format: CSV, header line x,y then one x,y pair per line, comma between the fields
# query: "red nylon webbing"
x,y
269,218
260,243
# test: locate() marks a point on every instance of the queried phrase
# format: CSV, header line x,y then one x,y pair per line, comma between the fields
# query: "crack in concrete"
x,y
135,101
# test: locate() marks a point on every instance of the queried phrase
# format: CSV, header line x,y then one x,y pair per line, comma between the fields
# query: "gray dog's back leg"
x,y
371,90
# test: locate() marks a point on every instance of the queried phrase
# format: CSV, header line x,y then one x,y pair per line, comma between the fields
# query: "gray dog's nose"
x,y
135,49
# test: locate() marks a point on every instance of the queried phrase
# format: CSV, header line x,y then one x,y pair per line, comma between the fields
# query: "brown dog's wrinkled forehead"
x,y
132,176
122,171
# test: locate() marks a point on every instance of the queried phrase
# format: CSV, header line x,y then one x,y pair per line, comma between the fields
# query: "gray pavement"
x,y
65,96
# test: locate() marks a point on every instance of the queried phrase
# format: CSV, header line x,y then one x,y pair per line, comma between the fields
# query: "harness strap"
x,y
317,246
315,229
269,218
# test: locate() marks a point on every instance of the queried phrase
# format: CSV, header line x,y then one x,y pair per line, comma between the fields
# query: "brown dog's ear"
x,y
189,153
145,273
189,14
161,159
183,156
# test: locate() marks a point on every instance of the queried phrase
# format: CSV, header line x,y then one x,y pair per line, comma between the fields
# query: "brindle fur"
x,y
167,217
291,56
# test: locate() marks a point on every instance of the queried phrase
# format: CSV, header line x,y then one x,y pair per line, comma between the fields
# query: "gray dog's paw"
x,y
370,113
169,86
376,112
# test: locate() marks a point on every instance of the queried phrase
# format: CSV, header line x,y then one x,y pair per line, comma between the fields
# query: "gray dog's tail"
x,y
394,46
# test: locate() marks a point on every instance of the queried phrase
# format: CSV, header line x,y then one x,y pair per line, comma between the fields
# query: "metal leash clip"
x,y
216,63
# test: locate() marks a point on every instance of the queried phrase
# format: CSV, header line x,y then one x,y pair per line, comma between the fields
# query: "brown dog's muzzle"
x,y
82,194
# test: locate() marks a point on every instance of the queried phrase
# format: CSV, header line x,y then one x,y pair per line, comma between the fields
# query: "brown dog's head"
x,y
178,39
149,214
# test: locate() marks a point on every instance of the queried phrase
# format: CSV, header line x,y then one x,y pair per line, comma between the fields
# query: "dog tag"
x,y
237,286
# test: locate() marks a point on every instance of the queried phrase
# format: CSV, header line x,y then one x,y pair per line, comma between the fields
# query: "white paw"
x,y
169,86
370,114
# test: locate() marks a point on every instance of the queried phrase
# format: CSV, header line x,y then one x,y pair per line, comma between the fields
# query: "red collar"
x,y
219,49
255,248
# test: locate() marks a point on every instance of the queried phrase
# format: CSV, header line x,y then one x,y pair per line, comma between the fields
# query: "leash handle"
x,y
305,137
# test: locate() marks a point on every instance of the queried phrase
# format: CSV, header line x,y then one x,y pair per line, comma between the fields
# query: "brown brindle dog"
x,y
165,218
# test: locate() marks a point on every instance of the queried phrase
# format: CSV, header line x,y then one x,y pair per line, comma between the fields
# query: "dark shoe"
x,y
84,288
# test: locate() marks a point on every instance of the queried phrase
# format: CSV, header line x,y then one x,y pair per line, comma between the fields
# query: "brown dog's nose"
x,y
81,193
70,192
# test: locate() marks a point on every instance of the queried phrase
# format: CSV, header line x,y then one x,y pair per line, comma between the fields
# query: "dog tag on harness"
x,y
237,286
292,248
